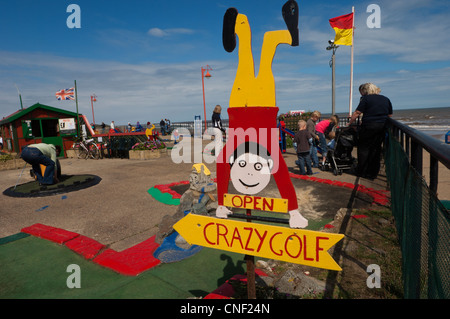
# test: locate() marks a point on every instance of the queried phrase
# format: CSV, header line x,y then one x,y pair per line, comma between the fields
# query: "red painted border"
x,y
130,262
380,197
165,188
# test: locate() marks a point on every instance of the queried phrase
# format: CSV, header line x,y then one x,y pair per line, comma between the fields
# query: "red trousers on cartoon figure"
x,y
263,121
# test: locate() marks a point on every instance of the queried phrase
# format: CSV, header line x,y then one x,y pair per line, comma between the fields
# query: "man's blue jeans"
x,y
34,157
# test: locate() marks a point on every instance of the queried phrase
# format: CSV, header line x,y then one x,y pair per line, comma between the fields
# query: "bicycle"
x,y
87,149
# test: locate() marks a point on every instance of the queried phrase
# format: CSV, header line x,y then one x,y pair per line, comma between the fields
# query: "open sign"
x,y
256,202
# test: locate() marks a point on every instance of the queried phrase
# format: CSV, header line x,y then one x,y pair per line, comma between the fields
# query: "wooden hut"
x,y
38,124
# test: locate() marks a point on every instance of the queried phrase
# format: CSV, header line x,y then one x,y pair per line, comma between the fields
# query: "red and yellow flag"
x,y
343,26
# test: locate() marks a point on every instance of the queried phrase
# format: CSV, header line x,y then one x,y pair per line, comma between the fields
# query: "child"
x,y
303,138
321,128
332,143
311,127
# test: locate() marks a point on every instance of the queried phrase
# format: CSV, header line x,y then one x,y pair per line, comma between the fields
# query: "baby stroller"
x,y
340,158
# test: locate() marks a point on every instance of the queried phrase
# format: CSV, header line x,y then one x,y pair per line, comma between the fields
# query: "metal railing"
x,y
422,221
414,142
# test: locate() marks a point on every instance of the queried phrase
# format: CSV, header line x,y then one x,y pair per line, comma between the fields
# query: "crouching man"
x,y
45,154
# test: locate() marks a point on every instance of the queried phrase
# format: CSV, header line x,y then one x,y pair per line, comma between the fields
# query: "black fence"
x,y
422,221
190,125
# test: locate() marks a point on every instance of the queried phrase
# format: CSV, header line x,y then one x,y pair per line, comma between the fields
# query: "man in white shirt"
x,y
45,154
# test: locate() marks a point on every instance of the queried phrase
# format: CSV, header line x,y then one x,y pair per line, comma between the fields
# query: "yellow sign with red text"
x,y
256,202
297,246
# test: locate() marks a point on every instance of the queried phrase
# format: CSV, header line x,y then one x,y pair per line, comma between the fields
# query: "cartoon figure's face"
x,y
250,173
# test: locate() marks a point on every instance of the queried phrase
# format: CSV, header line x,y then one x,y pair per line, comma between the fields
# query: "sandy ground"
x,y
443,190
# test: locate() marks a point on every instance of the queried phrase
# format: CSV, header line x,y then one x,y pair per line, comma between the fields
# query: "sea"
x,y
431,121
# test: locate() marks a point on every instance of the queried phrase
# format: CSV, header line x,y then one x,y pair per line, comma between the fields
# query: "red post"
x,y
93,99
208,68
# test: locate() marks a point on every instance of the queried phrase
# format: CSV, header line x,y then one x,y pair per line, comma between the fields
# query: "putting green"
x,y
164,198
67,183
34,268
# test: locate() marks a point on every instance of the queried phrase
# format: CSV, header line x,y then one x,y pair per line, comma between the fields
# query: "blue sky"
x,y
143,59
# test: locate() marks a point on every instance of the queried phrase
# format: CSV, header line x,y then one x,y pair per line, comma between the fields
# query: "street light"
x,y
93,99
207,75
333,47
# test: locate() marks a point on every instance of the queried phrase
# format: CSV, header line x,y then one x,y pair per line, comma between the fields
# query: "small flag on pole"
x,y
67,94
343,26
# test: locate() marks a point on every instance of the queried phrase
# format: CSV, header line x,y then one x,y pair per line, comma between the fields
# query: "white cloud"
x,y
411,31
157,32
151,91
126,92
160,33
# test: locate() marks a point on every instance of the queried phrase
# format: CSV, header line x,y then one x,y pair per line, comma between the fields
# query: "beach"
x,y
443,191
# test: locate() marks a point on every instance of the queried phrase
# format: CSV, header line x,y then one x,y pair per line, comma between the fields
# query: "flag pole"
x,y
351,64
20,96
76,103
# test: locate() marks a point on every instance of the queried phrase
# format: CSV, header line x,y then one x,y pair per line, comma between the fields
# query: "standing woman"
x,y
217,130
376,109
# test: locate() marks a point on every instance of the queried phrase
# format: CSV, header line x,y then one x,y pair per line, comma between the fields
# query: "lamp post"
x,y
333,47
207,75
93,99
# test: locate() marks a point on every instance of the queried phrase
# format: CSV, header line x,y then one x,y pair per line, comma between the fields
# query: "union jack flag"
x,y
67,94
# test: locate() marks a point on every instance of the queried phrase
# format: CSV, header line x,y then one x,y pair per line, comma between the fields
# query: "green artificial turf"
x,y
34,268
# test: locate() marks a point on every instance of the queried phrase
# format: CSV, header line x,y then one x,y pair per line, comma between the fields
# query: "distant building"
x,y
299,112
38,124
